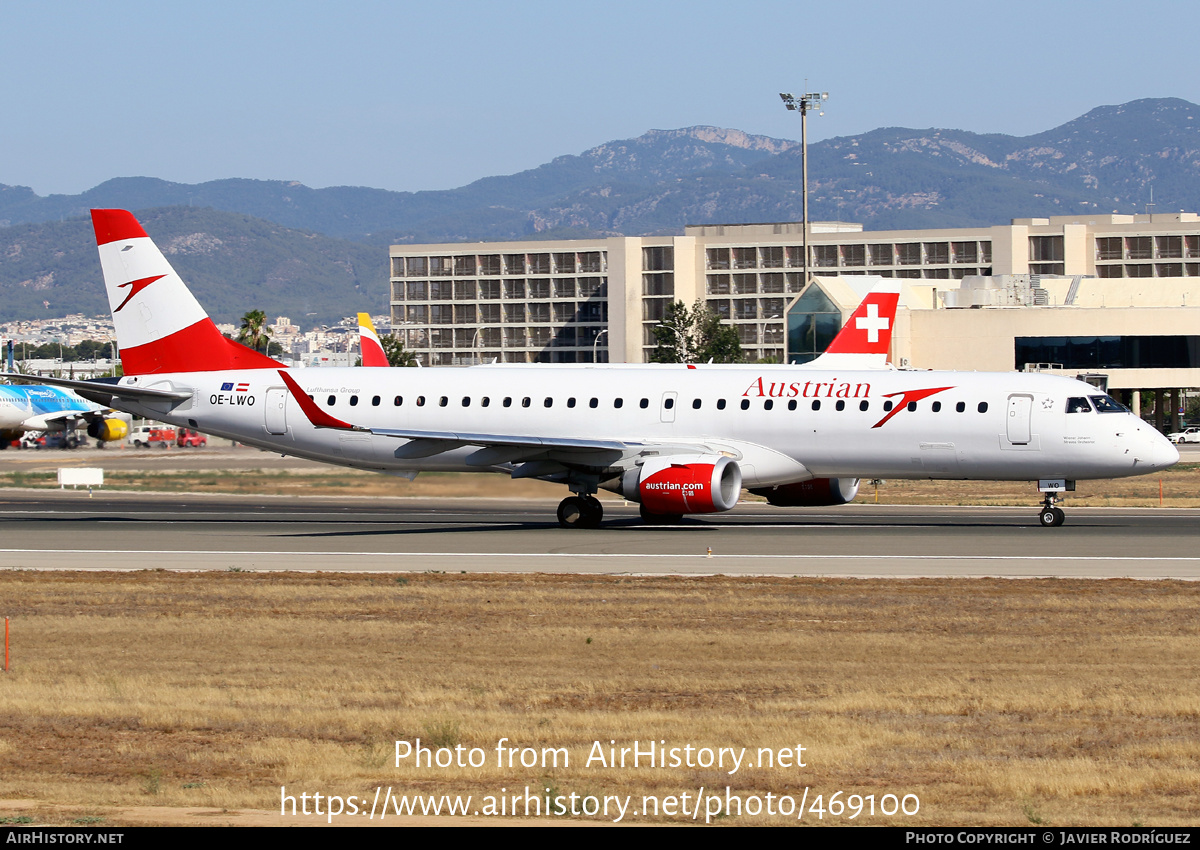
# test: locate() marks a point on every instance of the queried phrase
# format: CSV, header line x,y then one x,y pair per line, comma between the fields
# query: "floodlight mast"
x,y
802,104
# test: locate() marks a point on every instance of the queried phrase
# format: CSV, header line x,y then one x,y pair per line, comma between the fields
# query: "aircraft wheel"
x,y
1050,517
573,512
593,512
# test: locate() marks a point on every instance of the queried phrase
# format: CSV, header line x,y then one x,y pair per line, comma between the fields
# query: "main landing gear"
x,y
1051,516
580,512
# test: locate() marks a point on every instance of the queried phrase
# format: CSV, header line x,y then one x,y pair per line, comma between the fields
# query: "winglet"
x,y
369,344
318,417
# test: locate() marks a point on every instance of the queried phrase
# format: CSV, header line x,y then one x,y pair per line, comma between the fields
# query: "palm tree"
x,y
255,332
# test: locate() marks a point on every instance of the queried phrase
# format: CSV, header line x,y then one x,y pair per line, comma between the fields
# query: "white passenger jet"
x,y
678,439
53,409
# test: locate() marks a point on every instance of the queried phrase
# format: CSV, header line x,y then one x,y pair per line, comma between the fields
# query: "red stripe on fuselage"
x,y
196,348
115,225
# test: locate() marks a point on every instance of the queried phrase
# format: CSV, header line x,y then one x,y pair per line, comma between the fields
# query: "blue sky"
x,y
409,96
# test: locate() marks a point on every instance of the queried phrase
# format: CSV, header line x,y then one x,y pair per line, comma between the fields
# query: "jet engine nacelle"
x,y
107,430
814,493
691,484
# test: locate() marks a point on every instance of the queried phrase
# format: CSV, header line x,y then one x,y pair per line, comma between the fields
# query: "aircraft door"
x,y
667,410
275,410
1020,407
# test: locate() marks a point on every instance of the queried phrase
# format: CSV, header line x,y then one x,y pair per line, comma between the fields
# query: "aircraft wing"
x,y
101,391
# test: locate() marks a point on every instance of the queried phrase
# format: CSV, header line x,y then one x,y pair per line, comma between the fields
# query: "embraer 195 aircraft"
x,y
678,439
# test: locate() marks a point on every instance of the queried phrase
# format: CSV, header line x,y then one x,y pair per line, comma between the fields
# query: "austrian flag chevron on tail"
x,y
161,326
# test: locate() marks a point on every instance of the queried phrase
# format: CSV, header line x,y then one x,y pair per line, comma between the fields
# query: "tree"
x,y
694,335
255,332
393,347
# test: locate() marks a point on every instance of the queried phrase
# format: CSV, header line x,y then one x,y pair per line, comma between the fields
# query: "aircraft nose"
x,y
1156,452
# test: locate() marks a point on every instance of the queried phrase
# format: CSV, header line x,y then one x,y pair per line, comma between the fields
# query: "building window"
x,y
1109,248
825,256
771,257
1045,249
964,252
658,259
937,253
658,284
717,258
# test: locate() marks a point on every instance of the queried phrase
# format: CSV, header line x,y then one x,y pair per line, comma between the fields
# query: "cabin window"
x,y
525,401
960,407
668,403
332,400
936,407
983,407
720,404
745,404
887,406
549,402
644,403
571,402
617,402
841,405
594,402
695,404
865,405
398,400
354,401
484,402
375,401
466,402
508,401
816,405
912,406
768,404
443,401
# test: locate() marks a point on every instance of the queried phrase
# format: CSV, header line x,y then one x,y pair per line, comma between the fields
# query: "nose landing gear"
x,y
1051,516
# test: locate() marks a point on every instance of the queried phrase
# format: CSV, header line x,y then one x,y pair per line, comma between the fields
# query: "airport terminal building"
x,y
1098,294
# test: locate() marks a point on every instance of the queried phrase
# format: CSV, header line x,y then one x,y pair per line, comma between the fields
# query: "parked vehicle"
x,y
52,440
189,437
1187,435
144,436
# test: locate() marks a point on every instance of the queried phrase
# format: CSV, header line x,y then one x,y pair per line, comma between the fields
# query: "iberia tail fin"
x,y
160,325
863,341
369,344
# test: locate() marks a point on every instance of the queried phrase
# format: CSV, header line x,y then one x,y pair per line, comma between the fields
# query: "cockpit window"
x,y
1105,404
1078,405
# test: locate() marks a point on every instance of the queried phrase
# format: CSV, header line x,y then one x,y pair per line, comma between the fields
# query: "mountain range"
x,y
319,254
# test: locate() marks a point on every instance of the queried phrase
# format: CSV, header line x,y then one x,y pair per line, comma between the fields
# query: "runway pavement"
x,y
68,530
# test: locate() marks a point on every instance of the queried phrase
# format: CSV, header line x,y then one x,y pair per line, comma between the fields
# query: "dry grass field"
x,y
995,702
